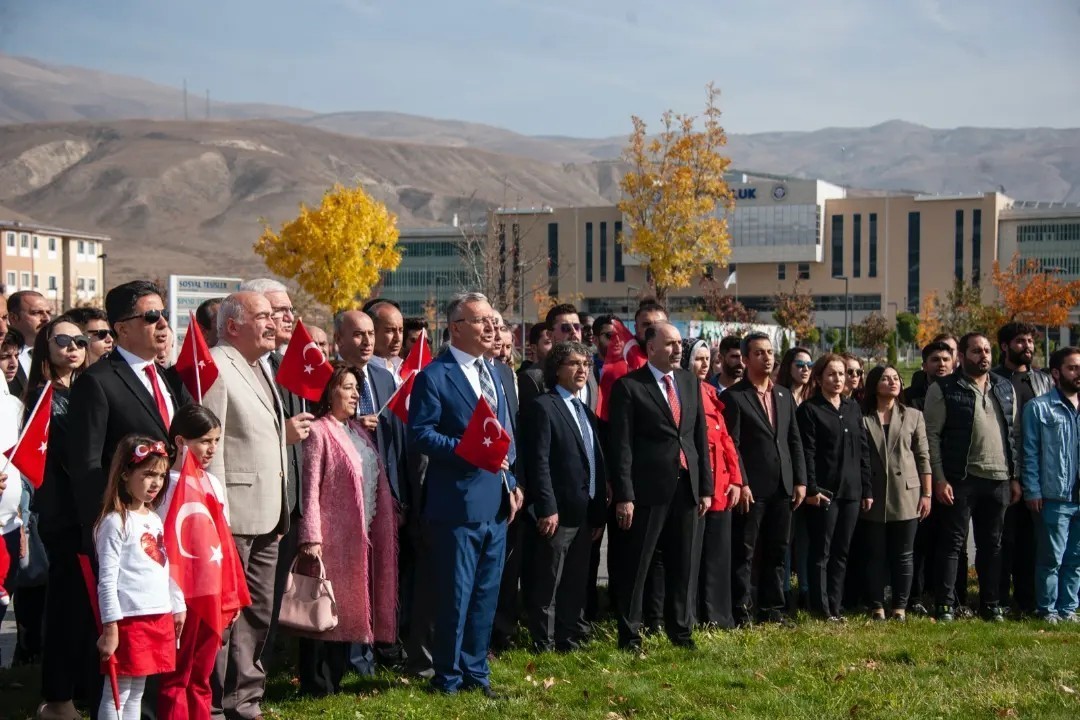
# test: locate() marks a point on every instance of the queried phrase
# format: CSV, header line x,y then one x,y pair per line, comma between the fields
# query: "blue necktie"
x,y
367,407
586,437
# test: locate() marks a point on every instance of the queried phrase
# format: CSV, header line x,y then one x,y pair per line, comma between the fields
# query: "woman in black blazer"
x,y
837,480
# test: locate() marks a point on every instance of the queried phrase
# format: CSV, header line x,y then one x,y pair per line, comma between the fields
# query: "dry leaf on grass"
x,y
1066,689
530,667
549,683
1006,713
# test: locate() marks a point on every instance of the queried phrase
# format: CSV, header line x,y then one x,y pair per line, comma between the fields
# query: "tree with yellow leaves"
x,y
335,252
670,197
1033,293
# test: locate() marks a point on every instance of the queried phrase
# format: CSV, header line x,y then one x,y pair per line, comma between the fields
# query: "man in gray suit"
x,y
251,462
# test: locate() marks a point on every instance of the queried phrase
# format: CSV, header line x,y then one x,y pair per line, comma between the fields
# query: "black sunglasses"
x,y
98,335
63,341
854,371
567,327
150,317
803,364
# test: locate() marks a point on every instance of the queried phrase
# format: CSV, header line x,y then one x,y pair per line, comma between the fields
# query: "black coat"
x,y
770,458
390,433
645,442
291,405
558,480
108,402
835,447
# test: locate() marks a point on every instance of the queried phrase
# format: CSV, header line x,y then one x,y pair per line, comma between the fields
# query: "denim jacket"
x,y
1051,448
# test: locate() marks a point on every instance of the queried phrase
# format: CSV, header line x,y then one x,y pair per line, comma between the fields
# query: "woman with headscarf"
x,y
713,549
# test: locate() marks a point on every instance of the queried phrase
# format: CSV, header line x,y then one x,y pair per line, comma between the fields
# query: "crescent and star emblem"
x,y
487,438
186,511
318,353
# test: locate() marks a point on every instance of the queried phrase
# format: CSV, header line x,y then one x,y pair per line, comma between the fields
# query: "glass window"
x,y
52,282
620,271
35,242
837,245
913,236
781,271
11,239
82,247
24,240
958,259
588,252
37,283
24,280
603,252
856,245
11,280
52,244
804,271
92,284
80,284
872,270
976,245
91,247
553,259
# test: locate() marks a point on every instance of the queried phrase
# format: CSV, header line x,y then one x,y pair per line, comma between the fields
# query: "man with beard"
x,y
413,326
28,312
969,426
603,331
389,335
731,369
1052,438
1017,343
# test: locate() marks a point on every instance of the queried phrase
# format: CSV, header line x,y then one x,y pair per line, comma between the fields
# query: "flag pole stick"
x,y
11,453
391,398
195,357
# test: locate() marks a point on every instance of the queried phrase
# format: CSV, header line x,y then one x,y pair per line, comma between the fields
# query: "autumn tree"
x,y
961,312
929,319
724,307
1033,293
670,195
334,252
872,334
794,311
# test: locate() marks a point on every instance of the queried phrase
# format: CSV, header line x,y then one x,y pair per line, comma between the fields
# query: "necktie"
x,y
676,412
159,398
586,437
367,406
487,386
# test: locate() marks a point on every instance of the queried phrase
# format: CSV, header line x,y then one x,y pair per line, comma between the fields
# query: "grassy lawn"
x,y
969,669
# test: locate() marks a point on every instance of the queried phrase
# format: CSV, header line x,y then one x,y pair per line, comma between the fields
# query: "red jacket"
x,y
722,454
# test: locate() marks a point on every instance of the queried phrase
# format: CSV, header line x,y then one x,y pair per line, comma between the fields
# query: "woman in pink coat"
x,y
350,523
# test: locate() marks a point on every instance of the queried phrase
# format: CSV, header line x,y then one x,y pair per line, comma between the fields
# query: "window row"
x,y
1048,232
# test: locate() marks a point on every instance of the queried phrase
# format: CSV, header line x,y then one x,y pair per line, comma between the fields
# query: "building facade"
x,y
65,266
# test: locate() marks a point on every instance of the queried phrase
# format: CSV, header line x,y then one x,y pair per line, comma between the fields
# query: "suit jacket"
x,y
441,405
251,459
108,401
290,405
897,464
506,375
18,384
777,453
645,441
558,479
531,385
390,433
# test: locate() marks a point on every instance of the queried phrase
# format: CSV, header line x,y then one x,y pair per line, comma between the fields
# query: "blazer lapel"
x,y
458,380
134,384
752,398
564,412
594,392
895,427
653,388
874,429
247,372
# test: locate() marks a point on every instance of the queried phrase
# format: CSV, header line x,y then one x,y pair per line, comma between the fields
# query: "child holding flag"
x,y
141,615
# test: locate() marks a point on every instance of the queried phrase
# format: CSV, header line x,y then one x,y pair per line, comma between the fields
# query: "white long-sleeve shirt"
x,y
133,571
11,411
215,485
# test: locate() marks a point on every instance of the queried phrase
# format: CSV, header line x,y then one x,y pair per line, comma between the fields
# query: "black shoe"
x,y
919,609
653,628
685,643
486,691
777,617
541,647
994,614
632,646
743,621
944,614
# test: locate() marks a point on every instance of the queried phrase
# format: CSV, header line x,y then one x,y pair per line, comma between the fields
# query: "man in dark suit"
x,y
661,480
120,395
566,494
563,325
761,420
28,312
467,507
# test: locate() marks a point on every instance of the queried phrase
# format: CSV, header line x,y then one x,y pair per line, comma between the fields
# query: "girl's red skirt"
x,y
147,646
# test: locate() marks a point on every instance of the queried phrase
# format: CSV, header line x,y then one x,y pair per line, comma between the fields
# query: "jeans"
x,y
1057,563
981,502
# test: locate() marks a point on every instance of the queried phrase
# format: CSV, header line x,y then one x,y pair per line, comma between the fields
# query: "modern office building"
x,y
65,266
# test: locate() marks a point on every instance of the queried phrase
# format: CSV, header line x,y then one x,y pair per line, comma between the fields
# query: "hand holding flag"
x,y
485,443
304,370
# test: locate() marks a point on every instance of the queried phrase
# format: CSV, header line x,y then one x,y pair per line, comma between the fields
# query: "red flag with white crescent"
x,y
194,365
28,454
202,555
399,403
617,362
418,358
304,370
485,443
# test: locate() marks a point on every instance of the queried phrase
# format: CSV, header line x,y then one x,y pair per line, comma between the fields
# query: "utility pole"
x,y
208,104
185,100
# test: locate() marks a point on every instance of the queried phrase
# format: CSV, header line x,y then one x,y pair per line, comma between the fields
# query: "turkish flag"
x,y
304,370
194,365
485,444
202,555
616,363
418,358
399,403
28,454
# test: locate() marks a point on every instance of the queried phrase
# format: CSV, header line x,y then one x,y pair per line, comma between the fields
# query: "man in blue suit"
x,y
467,508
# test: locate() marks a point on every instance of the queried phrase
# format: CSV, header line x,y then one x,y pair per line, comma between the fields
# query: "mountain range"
x,y
113,154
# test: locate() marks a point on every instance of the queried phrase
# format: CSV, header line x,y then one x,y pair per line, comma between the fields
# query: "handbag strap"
x,y
322,568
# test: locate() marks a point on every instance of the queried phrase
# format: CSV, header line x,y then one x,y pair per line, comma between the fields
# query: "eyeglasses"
x,y
98,335
578,364
150,317
855,372
63,341
803,364
479,321
282,311
140,452
568,327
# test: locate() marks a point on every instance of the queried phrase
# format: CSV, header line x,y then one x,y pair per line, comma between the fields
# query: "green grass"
x,y
968,669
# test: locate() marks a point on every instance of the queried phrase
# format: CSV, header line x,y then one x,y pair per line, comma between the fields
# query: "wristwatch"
x,y
927,495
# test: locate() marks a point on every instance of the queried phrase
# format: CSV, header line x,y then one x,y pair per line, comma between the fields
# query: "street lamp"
x,y
439,280
847,307
1046,328
521,299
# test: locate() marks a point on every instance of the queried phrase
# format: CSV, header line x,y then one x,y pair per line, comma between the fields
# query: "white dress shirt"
x,y
24,359
391,364
468,366
138,365
659,376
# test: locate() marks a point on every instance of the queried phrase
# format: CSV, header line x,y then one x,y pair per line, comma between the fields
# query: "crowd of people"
x,y
729,486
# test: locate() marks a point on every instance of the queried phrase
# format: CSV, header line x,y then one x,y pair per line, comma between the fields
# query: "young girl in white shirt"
x,y
142,613
185,694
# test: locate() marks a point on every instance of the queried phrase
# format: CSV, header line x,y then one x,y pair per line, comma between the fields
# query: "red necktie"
x,y
676,413
159,398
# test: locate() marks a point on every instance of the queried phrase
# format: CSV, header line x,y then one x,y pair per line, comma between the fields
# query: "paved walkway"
x,y
7,639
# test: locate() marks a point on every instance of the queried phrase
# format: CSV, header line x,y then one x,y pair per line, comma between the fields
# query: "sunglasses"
x,y
150,317
567,327
855,372
803,364
141,452
63,341
98,335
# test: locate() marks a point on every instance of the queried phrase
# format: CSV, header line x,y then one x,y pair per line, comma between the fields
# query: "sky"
x,y
584,67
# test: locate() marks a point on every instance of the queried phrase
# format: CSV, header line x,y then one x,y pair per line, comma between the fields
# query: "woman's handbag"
x,y
308,605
